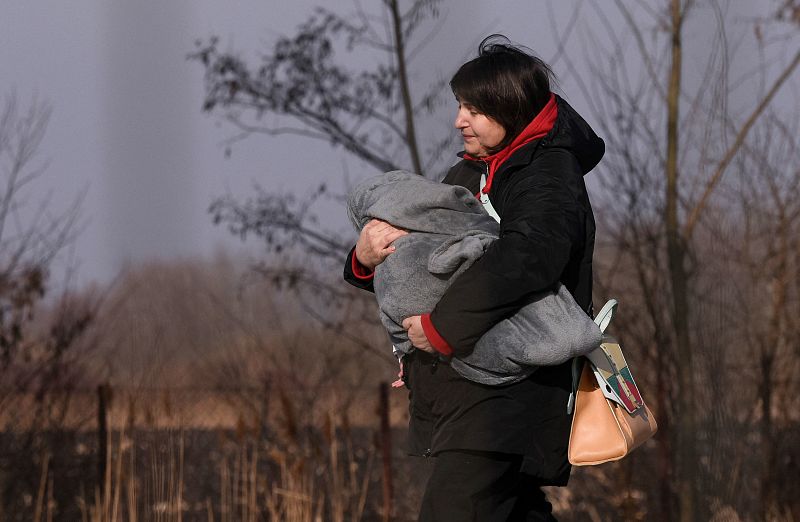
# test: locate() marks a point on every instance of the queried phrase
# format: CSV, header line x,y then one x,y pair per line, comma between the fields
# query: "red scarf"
x,y
537,128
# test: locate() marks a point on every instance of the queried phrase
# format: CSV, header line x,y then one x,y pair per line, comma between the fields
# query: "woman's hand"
x,y
375,242
416,334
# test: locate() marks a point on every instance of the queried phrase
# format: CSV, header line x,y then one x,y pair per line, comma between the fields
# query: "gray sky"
x,y
127,124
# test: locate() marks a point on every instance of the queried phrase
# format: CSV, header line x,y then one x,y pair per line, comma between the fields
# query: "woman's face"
x,y
479,132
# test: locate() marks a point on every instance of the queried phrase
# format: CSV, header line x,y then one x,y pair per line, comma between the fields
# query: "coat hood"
x,y
571,132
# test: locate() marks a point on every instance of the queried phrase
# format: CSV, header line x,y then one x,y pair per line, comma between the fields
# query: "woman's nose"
x,y
460,123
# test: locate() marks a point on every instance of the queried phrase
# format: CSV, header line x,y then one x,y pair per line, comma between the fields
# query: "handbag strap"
x,y
603,319
604,316
577,367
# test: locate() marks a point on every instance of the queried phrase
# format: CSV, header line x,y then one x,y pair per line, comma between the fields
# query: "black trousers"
x,y
477,486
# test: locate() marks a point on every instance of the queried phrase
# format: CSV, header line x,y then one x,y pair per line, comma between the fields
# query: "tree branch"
x,y
694,216
411,136
646,56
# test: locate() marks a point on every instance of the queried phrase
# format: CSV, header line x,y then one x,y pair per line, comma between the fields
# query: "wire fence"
x,y
336,453
193,407
195,452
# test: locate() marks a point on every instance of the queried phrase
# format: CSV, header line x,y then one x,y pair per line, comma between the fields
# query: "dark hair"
x,y
505,83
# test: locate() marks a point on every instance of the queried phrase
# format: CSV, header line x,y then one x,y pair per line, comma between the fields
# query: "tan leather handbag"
x,y
611,418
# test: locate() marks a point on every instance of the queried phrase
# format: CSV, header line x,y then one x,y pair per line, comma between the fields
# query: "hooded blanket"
x,y
448,230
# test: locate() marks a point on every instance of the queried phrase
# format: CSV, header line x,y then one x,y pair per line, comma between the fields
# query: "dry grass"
x,y
290,480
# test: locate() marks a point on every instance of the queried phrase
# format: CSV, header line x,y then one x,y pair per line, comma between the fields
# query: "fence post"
x,y
103,399
386,451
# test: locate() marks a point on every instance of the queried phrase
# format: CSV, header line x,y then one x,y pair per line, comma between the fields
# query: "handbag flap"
x,y
613,373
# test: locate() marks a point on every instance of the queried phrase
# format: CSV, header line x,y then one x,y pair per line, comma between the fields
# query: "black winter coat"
x,y
546,231
547,234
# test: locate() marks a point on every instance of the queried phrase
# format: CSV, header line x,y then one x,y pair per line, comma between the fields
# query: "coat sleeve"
x,y
357,275
541,226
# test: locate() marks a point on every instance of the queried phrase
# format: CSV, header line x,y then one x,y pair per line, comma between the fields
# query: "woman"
x,y
495,446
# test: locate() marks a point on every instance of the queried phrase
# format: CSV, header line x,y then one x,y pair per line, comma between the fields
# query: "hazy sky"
x,y
127,125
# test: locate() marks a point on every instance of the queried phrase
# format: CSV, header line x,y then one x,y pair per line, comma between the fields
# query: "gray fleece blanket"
x,y
448,230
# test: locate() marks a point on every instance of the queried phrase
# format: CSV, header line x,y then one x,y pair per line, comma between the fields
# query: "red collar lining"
x,y
537,128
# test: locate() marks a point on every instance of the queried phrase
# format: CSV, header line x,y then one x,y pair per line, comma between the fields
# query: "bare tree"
x,y
671,143
31,238
44,340
305,83
768,253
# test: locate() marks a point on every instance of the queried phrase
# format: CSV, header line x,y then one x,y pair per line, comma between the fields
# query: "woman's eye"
x,y
470,110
